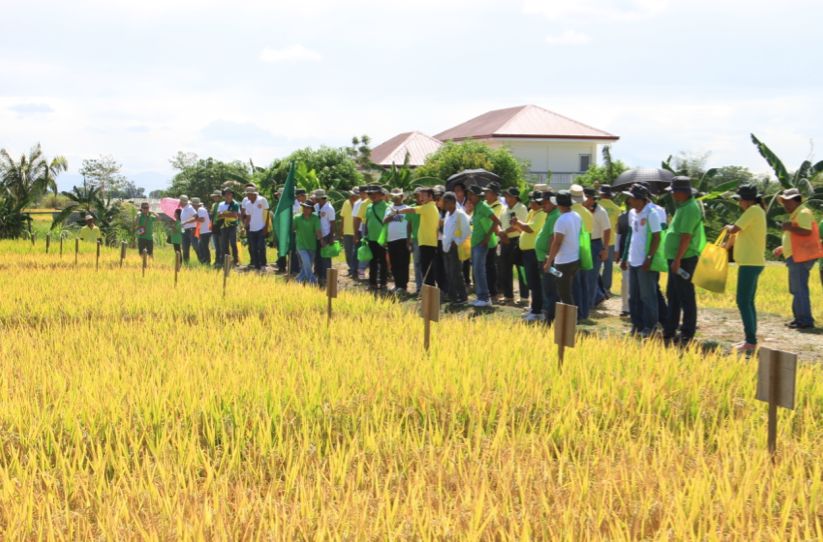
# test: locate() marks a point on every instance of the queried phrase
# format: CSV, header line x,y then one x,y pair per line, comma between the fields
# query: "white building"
x,y
547,141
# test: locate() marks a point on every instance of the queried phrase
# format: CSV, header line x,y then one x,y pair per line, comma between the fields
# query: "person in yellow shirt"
x,y
749,241
796,230
426,233
528,236
349,246
89,233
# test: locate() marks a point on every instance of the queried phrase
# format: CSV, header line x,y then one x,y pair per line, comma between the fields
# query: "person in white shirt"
x,y
601,237
456,229
204,221
564,252
187,215
644,222
256,212
325,211
399,244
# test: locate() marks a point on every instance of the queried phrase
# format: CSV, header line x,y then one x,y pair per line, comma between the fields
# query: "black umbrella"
x,y
468,177
655,178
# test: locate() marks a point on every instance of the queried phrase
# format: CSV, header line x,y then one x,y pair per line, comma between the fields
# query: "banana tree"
x,y
800,179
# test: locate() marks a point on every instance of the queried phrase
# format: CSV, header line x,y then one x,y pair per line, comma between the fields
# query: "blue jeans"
x,y
306,261
580,289
596,295
799,288
481,287
549,289
351,254
643,299
608,269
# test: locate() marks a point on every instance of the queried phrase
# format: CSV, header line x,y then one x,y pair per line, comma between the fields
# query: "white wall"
x,y
561,157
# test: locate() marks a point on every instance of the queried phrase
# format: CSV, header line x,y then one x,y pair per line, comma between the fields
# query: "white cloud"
x,y
292,53
596,9
569,37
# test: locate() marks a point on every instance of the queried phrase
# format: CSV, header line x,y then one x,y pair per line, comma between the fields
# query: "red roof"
x,y
525,121
417,145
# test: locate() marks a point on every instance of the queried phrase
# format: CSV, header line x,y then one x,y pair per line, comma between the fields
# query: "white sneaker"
x,y
535,317
480,303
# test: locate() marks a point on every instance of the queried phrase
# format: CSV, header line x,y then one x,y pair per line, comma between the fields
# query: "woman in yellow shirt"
x,y
529,230
750,254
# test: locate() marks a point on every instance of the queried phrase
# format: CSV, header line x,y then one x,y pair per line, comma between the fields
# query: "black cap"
x,y
606,190
227,190
680,184
548,194
300,192
637,191
307,204
590,192
476,190
493,187
563,198
536,196
363,188
512,191
746,192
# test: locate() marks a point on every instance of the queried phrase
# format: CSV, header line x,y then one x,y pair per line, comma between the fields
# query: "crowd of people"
x,y
557,246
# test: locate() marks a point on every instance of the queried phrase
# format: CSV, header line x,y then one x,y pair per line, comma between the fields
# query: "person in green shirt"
x,y
89,233
176,235
685,239
484,224
542,245
492,196
375,213
144,229
306,235
749,242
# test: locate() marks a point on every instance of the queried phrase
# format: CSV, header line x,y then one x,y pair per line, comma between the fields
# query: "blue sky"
x,y
256,79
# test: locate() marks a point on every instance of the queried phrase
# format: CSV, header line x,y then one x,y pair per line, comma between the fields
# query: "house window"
x,y
585,162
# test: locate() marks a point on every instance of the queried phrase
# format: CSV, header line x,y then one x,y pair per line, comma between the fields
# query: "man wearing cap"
x,y
325,211
600,241
427,234
484,224
800,249
456,230
349,247
257,224
204,229
228,215
621,253
564,251
748,237
582,279
187,214
144,229
643,245
414,225
306,235
542,245
397,236
439,265
528,236
685,239
510,256
492,196
217,199
373,219
614,211
89,233
359,216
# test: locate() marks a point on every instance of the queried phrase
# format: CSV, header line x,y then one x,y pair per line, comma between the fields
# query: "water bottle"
x,y
683,274
556,272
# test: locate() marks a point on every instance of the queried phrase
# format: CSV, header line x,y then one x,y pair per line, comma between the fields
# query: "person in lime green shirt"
x,y
90,233
306,235
528,236
375,213
685,239
799,227
176,235
144,229
542,245
484,224
492,196
749,241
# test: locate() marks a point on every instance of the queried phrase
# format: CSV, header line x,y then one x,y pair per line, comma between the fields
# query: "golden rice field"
x,y
134,410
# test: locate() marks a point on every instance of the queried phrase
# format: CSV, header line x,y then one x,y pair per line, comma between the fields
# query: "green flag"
x,y
284,214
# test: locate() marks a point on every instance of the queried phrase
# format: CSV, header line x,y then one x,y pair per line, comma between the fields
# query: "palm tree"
x,y
800,179
30,177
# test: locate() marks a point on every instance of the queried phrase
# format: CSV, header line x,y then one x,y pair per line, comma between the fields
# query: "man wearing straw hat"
x,y
89,233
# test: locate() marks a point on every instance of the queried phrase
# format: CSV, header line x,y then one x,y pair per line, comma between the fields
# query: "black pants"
x,y
257,249
377,265
467,272
228,243
189,241
400,257
219,247
428,265
440,269
491,271
454,276
566,282
147,245
533,277
681,298
203,250
511,257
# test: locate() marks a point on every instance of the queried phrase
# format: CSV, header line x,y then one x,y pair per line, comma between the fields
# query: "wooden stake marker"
x,y
76,250
178,262
430,310
226,267
145,261
48,242
331,288
61,245
565,329
122,253
97,260
776,375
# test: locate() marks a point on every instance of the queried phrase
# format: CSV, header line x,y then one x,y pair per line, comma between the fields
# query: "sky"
x,y
255,79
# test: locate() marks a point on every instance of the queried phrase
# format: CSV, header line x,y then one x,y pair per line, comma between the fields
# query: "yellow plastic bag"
x,y
464,249
713,266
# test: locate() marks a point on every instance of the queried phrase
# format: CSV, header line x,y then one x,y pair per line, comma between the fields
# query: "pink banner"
x,y
168,205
